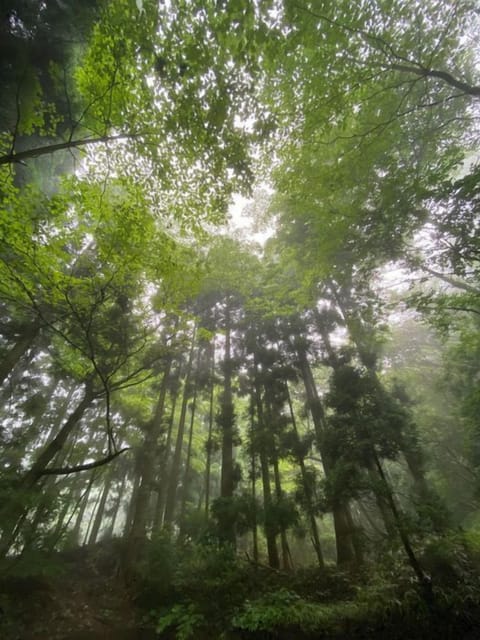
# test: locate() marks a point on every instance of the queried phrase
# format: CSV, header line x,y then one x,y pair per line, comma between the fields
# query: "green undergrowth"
x,y
202,591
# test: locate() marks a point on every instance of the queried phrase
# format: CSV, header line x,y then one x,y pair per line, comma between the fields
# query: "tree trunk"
x,y
118,501
148,455
208,463
52,449
307,488
399,519
343,534
177,455
12,511
132,501
92,518
186,473
359,334
226,421
272,550
164,464
101,508
22,345
286,557
84,501
253,473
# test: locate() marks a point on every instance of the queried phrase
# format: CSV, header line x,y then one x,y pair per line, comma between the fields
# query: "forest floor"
x,y
79,595
82,594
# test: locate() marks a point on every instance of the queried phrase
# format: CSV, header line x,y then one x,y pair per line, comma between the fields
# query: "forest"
x,y
239,319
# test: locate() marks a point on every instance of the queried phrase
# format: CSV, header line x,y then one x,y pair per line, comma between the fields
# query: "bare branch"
x,y
65,471
21,156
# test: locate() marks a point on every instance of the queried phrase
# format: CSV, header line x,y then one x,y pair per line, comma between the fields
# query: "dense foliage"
x,y
276,436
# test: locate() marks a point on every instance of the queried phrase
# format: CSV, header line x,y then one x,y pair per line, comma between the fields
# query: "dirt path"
x,y
85,600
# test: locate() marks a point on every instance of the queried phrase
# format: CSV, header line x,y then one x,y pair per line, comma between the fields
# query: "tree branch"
x,y
454,282
447,77
64,471
21,156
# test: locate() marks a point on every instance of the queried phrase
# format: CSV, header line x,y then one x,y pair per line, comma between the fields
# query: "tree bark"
x,y
272,550
287,564
81,513
101,508
343,534
208,462
11,512
226,419
118,501
51,450
253,473
15,353
174,475
164,463
149,456
307,488
186,473
29,154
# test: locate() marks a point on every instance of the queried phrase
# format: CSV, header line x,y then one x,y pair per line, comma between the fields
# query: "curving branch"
x,y
398,61
65,471
448,78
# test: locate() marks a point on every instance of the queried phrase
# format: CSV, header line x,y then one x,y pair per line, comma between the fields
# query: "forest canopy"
x,y
276,411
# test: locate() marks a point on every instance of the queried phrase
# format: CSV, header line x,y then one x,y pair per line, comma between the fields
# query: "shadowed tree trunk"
x,y
307,486
148,455
164,462
226,421
287,564
272,550
344,535
361,336
99,515
116,507
11,512
84,499
174,474
208,462
15,353
51,450
186,473
253,473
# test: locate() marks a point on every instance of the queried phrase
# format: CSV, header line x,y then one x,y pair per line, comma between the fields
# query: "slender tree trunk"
x,y
58,530
186,474
149,456
11,512
272,550
22,345
226,420
81,513
286,556
378,488
307,487
132,501
69,145
99,515
208,463
52,449
118,501
162,483
360,336
343,534
253,473
92,518
399,519
48,488
177,456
